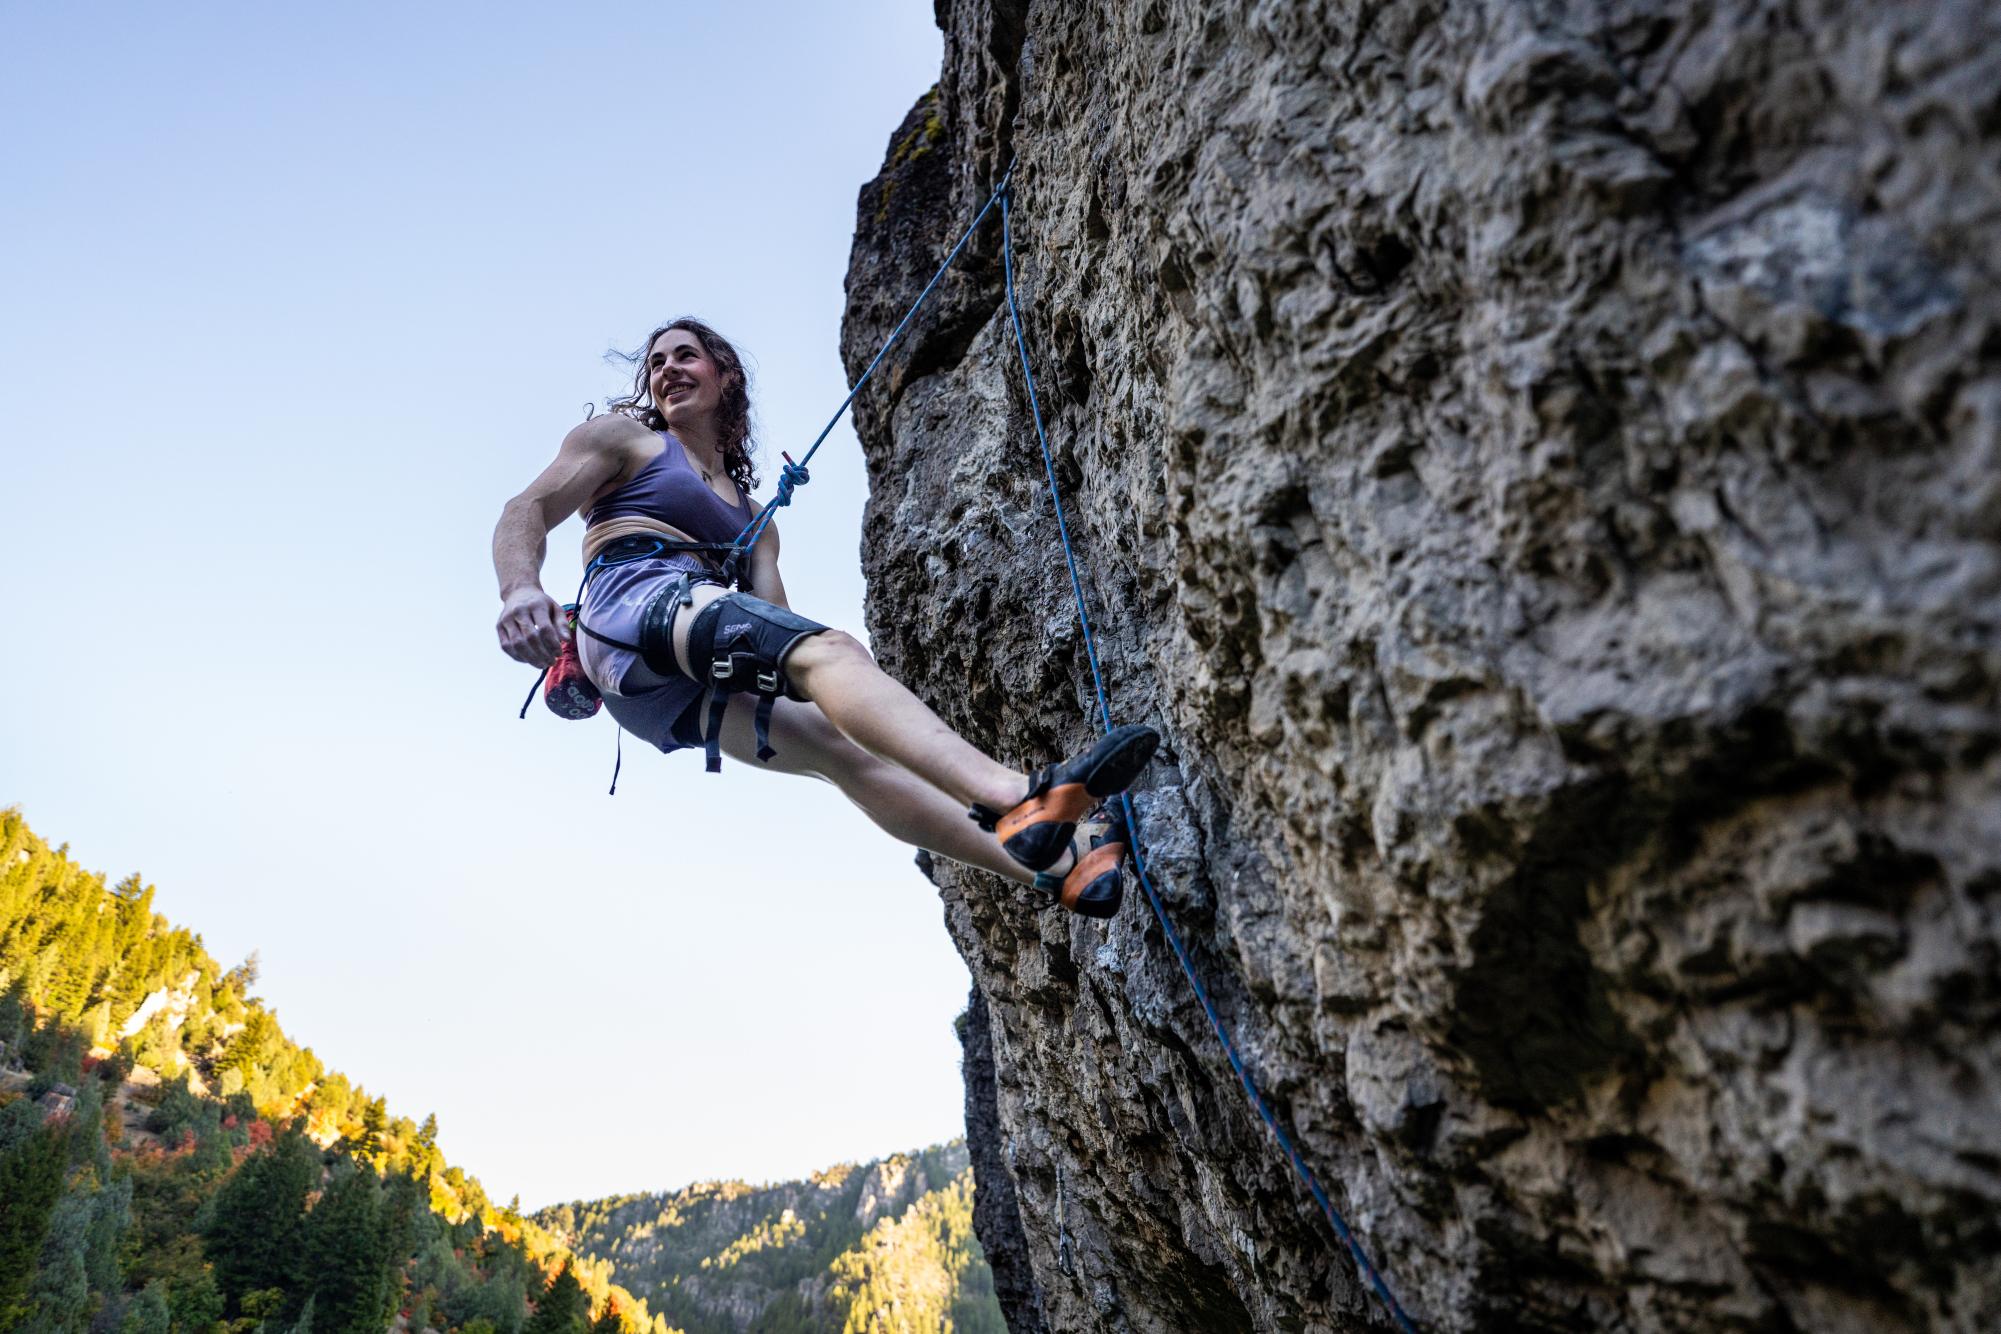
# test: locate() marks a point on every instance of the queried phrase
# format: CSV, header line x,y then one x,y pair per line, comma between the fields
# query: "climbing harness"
x,y
795,475
640,546
741,639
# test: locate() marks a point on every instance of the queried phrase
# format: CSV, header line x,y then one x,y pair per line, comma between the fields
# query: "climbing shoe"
x,y
1095,884
567,691
1037,829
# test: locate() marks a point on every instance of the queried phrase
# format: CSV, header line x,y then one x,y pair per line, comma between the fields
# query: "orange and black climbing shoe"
x,y
1037,829
1095,884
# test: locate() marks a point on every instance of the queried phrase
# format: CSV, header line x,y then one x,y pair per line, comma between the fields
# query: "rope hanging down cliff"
x,y
1264,1110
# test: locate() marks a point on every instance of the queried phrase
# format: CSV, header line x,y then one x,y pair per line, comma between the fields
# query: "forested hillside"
x,y
171,1161
885,1246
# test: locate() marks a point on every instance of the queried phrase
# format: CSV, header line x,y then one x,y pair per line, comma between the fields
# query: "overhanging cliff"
x,y
1540,466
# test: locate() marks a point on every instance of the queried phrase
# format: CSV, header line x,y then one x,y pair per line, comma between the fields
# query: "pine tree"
x,y
87,1130
244,976
148,1313
177,1110
59,1297
424,1156
350,1271
13,1017
54,1052
214,1152
364,1142
257,1233
110,1219
31,1179
20,1121
564,1307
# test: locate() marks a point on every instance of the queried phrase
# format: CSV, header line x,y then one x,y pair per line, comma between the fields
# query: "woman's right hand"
x,y
532,627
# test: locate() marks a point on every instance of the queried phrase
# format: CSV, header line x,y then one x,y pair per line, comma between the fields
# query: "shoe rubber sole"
x,y
1096,885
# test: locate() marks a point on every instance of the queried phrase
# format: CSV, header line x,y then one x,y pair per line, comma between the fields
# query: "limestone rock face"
x,y
1540,468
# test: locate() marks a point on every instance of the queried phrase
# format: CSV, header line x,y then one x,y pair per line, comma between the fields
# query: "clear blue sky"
x,y
291,300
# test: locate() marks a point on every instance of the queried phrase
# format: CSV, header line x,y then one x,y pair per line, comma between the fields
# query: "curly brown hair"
x,y
733,428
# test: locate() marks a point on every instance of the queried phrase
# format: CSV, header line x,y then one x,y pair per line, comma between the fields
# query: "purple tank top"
x,y
669,489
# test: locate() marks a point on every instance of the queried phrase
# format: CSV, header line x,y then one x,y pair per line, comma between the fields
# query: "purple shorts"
x,y
663,710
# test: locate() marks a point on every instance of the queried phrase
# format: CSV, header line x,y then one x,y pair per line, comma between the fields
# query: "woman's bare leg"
x,y
877,713
903,805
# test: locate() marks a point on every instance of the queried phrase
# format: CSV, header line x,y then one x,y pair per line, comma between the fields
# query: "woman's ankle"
x,y
1003,795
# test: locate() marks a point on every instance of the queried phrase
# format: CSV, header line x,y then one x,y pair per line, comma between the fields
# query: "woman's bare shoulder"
x,y
607,430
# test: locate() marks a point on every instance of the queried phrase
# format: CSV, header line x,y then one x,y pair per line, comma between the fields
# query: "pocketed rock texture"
x,y
1540,468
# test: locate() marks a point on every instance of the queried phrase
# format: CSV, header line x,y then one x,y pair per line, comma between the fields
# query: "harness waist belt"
x,y
645,546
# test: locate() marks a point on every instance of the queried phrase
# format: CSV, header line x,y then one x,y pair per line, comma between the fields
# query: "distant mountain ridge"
x,y
885,1245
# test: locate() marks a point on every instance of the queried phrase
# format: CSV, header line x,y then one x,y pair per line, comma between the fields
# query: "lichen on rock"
x,y
1540,467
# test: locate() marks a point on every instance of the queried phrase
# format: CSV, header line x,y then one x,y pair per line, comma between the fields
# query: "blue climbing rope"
x,y
794,475
1270,1118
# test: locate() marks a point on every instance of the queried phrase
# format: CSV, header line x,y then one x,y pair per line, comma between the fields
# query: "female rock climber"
x,y
682,661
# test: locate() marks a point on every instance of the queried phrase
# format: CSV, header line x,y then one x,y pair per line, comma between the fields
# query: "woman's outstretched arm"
x,y
531,622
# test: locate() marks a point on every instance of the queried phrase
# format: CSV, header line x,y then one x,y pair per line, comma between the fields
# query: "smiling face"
x,y
689,379
685,381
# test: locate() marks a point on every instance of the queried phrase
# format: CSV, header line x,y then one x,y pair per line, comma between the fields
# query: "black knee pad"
x,y
656,627
739,643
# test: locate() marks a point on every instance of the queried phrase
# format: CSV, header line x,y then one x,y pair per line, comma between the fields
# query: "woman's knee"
x,y
826,648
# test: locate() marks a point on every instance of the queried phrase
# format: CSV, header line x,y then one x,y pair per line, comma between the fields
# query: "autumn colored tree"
x,y
331,1100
